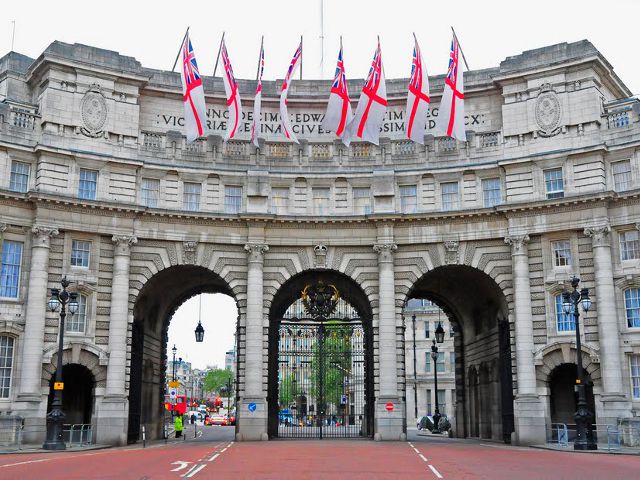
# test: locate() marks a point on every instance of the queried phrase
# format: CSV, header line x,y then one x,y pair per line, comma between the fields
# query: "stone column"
x,y
253,423
614,400
528,412
112,411
389,425
33,342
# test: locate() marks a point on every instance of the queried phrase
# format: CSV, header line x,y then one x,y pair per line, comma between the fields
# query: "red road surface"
x,y
301,460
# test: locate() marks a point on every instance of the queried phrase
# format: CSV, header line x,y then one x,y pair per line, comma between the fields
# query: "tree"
x,y
335,360
216,379
287,390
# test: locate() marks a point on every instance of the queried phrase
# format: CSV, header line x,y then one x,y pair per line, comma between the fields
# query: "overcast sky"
x,y
488,30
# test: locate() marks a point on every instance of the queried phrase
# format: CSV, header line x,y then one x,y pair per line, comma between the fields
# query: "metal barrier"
x,y
558,433
607,437
78,435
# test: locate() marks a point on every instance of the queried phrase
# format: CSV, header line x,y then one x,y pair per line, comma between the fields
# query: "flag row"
x,y
363,124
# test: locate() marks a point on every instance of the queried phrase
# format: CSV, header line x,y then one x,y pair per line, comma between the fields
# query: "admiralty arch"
x,y
98,184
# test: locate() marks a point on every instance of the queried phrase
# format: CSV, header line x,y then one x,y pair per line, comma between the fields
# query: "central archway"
x,y
478,312
156,303
320,370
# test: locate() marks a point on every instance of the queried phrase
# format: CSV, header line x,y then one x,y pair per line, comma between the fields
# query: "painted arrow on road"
x,y
182,465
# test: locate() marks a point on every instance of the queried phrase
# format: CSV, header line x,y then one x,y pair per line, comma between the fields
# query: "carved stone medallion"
x,y
94,112
548,112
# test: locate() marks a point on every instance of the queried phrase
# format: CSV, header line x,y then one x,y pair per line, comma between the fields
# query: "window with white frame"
x,y
632,307
232,199
564,322
442,401
426,329
629,245
19,181
150,193
6,365
10,272
321,197
77,323
449,193
87,185
440,362
279,199
429,401
561,253
427,361
80,253
554,183
362,200
191,196
491,192
635,376
621,175
408,198
452,361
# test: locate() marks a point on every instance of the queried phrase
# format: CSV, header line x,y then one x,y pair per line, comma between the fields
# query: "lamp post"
x,y
228,396
174,350
583,416
59,300
415,370
439,334
199,332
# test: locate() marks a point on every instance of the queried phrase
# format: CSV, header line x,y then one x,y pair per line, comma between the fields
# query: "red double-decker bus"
x,y
180,405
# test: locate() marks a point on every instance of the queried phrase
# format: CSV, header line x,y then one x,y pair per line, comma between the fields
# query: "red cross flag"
x,y
255,123
372,105
195,116
450,120
417,98
284,114
233,95
338,113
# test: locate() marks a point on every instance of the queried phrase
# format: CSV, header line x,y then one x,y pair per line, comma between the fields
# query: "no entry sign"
x,y
389,407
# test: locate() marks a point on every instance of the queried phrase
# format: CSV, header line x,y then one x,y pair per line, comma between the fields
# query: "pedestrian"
x,y
193,418
178,425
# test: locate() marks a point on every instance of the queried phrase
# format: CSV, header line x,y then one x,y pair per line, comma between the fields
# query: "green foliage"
x,y
335,364
216,380
287,390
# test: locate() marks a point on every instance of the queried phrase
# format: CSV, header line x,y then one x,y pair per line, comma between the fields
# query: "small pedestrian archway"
x,y
320,370
563,398
78,394
477,314
154,307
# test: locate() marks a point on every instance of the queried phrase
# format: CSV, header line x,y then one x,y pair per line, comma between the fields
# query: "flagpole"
x,y
300,57
260,57
460,48
218,56
179,50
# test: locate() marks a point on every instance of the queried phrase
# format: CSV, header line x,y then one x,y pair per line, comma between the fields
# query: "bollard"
x,y
195,429
144,438
166,433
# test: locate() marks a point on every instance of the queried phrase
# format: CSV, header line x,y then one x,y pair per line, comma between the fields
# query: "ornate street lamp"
x,y
439,334
583,416
174,350
68,301
199,332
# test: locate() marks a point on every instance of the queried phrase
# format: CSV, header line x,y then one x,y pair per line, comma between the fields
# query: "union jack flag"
x,y
284,115
339,85
292,66
375,73
233,97
451,115
338,112
452,71
257,101
192,92
417,98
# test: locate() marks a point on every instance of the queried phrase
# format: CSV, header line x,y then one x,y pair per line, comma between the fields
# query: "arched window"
x,y
6,364
632,306
564,322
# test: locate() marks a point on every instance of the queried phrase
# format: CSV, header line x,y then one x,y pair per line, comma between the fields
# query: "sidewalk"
x,y
601,449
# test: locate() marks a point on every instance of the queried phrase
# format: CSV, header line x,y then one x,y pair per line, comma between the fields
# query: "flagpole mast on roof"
x,y
460,48
180,49
218,56
260,57
300,57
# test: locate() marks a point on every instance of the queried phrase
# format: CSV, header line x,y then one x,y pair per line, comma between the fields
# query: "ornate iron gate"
x,y
321,368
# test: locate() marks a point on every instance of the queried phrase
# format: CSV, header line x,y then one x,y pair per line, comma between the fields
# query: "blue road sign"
x,y
252,407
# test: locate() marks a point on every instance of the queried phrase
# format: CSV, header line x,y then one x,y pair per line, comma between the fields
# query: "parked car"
x,y
217,420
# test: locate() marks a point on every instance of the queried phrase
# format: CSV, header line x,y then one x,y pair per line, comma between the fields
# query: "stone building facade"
x,y
98,184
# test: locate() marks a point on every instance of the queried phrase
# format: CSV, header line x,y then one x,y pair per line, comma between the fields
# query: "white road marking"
x,y
194,470
423,457
411,445
214,457
180,466
416,450
229,444
435,472
223,450
29,461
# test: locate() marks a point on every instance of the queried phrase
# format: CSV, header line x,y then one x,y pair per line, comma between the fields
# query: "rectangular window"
x,y
150,192
10,273
629,245
452,360
442,402
564,322
77,323
632,307
362,200
426,329
80,253
621,175
635,376
191,196
561,253
6,365
321,197
88,184
279,200
440,362
553,183
232,199
449,193
491,192
19,181
408,198
429,412
427,362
